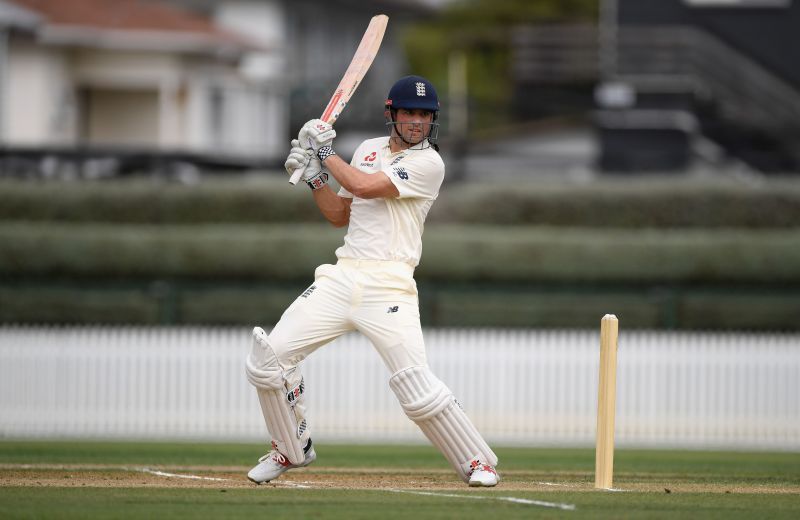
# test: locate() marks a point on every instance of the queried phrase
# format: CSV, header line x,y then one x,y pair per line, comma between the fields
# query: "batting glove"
x,y
313,175
298,157
316,134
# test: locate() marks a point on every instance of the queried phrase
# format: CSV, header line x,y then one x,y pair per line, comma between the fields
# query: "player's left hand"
x,y
315,134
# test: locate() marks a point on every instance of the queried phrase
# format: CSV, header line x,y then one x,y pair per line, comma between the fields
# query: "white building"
x,y
228,80
135,74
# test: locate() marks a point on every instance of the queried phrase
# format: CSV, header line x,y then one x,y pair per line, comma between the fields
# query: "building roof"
x,y
131,24
12,15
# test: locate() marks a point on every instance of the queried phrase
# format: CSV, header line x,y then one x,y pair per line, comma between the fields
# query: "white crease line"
x,y
555,484
176,475
286,483
614,490
289,483
526,501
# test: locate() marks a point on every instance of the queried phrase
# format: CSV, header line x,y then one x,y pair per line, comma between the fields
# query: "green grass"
x,y
740,465
301,504
728,484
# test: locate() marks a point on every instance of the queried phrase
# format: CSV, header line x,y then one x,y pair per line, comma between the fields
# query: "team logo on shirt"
x,y
369,160
401,173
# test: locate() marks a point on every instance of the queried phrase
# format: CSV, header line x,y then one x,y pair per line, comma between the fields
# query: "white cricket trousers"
x,y
376,298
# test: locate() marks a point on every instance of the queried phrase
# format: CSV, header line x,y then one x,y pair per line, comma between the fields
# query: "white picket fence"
x,y
520,387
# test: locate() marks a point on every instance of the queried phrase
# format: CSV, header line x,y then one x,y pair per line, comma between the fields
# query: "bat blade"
x,y
359,65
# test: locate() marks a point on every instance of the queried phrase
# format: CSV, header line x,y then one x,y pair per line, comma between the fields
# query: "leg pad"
x,y
277,400
432,406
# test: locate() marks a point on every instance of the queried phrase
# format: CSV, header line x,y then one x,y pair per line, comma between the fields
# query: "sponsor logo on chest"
x,y
369,160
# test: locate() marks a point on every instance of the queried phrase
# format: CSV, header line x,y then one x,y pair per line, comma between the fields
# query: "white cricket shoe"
x,y
274,464
483,475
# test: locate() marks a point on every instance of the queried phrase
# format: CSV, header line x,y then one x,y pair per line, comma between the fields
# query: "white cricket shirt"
x,y
391,228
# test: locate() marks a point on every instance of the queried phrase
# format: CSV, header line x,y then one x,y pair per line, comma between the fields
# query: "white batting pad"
x,y
431,405
278,402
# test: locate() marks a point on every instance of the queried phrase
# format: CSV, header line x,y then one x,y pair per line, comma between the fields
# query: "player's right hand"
x,y
297,158
313,174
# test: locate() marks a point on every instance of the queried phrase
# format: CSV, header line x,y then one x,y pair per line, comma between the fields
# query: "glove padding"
x,y
315,134
298,158
313,175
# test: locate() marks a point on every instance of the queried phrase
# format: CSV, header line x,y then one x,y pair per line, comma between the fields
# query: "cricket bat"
x,y
362,59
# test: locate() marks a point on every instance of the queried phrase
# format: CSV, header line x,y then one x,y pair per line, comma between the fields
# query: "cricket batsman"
x,y
386,192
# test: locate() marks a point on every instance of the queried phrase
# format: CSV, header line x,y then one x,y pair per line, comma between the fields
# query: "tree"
x,y
482,29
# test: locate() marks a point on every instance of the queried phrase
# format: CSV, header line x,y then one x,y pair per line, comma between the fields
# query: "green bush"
x,y
250,305
156,202
129,251
565,307
149,302
634,203
26,304
742,310
637,308
441,305
690,255
450,253
585,255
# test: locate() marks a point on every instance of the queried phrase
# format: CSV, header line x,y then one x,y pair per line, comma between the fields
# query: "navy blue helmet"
x,y
413,92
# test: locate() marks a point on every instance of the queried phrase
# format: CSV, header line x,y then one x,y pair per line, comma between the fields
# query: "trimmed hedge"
x,y
634,203
450,253
659,254
631,256
686,308
156,202
130,251
96,306
537,308
441,306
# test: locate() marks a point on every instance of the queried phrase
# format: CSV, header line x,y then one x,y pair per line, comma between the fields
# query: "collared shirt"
x,y
391,228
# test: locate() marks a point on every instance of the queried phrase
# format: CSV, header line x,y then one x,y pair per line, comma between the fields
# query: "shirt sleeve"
x,y
342,191
418,176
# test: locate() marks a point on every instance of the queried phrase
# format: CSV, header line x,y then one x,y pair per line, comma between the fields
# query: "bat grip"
x,y
296,175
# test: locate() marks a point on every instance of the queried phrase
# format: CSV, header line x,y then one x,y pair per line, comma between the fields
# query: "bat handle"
x,y
296,175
